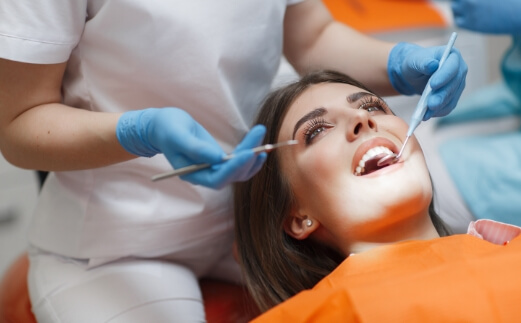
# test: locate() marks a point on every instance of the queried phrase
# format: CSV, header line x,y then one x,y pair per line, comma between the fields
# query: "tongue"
x,y
371,165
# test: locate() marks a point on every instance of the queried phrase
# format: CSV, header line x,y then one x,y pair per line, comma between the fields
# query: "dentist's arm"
x,y
314,40
39,132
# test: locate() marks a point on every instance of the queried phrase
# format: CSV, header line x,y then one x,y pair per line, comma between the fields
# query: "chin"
x,y
402,213
407,193
399,181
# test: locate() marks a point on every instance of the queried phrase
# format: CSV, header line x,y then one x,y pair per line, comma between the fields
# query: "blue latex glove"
x,y
184,142
487,16
410,67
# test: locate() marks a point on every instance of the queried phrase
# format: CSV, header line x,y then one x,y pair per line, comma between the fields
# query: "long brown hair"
x,y
277,266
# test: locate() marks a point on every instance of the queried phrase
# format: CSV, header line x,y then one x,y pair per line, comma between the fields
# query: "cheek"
x,y
323,166
393,125
325,188
317,176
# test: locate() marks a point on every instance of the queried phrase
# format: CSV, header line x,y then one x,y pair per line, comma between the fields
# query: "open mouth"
x,y
369,161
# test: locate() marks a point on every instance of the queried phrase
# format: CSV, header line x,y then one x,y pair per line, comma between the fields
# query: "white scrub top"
x,y
213,58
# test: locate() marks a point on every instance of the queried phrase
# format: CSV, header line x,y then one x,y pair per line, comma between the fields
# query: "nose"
x,y
359,123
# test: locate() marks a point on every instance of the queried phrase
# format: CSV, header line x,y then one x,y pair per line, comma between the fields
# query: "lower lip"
x,y
385,170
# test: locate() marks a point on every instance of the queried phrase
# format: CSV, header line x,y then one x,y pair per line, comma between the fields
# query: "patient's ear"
x,y
299,226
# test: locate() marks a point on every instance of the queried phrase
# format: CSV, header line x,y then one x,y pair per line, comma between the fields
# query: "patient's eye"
x,y
374,105
314,128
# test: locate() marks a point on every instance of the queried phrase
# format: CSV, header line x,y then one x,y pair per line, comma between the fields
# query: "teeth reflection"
x,y
371,153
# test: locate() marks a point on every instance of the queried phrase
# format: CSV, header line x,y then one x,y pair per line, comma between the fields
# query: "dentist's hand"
x,y
183,141
410,67
487,16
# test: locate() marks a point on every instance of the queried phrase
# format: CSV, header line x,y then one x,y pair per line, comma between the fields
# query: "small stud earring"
x,y
309,222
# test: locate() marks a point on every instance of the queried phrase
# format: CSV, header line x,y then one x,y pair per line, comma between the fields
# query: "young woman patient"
x,y
323,200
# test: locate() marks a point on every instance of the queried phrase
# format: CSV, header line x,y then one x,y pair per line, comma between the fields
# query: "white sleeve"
x,y
41,31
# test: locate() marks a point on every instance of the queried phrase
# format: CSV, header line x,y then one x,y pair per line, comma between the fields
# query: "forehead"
x,y
326,95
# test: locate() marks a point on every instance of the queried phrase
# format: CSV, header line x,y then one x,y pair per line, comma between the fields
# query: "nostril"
x,y
357,128
371,124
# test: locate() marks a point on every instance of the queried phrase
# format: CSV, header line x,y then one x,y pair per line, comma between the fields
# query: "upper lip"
x,y
371,143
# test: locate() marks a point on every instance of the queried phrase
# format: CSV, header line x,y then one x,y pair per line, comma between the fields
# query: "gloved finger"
x,y
460,21
437,107
204,153
252,139
248,169
452,70
457,8
453,103
235,169
200,146
425,64
222,174
259,161
447,86
175,133
440,103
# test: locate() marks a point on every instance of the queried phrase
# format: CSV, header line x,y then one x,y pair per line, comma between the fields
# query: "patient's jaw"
x,y
351,209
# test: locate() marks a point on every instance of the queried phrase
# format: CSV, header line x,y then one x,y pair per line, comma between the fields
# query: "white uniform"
x,y
216,60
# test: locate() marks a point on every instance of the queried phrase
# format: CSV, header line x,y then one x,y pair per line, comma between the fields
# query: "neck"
x,y
413,228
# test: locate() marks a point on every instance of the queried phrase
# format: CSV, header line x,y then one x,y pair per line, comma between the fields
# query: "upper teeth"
x,y
375,151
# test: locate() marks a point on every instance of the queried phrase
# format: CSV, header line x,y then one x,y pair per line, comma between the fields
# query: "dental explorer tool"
x,y
192,168
420,109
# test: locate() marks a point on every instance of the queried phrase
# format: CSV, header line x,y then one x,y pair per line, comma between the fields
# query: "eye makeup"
x,y
313,128
318,112
374,105
315,123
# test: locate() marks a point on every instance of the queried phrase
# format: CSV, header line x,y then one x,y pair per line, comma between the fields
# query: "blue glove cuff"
x,y
131,133
394,68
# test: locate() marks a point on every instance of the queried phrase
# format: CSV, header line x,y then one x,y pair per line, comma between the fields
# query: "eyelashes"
x,y
372,104
313,128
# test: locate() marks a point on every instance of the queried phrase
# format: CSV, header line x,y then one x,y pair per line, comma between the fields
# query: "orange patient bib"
x,y
458,278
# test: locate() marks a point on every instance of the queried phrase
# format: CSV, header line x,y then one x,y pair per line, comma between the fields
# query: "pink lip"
x,y
365,146
385,170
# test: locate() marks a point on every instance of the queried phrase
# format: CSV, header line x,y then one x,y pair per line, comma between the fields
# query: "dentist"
x,y
105,94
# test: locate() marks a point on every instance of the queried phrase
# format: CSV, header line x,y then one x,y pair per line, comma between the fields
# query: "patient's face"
x,y
337,126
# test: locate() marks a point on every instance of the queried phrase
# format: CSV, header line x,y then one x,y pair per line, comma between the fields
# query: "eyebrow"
x,y
358,95
311,115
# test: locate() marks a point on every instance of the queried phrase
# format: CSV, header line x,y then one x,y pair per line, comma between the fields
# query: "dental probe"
x,y
421,108
192,168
